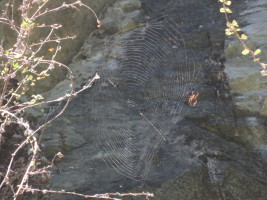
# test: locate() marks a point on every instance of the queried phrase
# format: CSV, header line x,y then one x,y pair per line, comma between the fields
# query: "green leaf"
x,y
228,10
25,70
228,3
245,52
33,101
244,37
39,97
234,23
258,51
15,64
228,32
222,10
16,95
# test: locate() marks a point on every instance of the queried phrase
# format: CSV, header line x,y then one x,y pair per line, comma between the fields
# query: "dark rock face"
x,y
202,157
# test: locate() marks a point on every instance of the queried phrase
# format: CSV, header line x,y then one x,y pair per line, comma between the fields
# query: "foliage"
x,y
21,67
233,28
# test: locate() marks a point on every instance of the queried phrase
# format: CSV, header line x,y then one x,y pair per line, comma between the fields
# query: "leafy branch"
x,y
233,28
21,67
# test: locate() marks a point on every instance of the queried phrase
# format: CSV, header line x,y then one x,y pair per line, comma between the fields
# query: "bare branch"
x,y
95,196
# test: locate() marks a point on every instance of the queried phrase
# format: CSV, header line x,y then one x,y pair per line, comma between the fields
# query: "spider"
x,y
193,98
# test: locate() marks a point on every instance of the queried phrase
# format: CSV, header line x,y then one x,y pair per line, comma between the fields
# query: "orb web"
x,y
145,80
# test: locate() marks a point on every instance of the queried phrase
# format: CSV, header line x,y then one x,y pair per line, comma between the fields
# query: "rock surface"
x,y
211,153
248,87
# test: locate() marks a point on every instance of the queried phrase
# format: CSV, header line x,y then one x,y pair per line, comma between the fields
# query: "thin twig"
x,y
95,196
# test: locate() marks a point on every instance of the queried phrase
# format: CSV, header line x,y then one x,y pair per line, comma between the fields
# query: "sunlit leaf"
x,y
228,3
222,10
258,51
228,10
33,101
15,64
25,70
38,96
234,23
245,52
244,37
16,95
228,32
228,24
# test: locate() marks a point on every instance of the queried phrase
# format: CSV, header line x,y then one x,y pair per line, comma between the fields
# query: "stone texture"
x,y
59,140
121,16
216,151
248,87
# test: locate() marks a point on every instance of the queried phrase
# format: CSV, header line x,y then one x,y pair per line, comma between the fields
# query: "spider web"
x,y
144,84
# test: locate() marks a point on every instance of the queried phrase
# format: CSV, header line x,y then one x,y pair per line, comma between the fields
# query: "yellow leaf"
x,y
33,101
228,24
228,3
228,10
222,10
221,1
234,23
245,52
244,37
258,51
228,32
51,49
